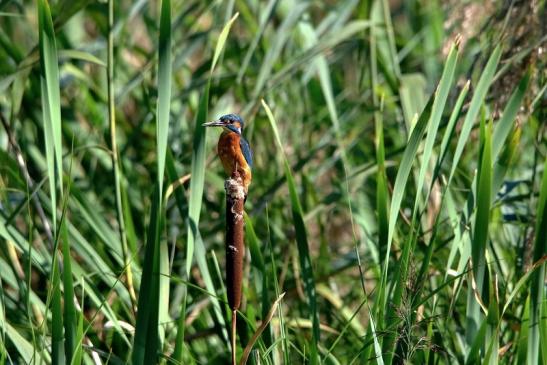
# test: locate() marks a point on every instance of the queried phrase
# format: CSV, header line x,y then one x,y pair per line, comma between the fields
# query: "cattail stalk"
x,y
235,249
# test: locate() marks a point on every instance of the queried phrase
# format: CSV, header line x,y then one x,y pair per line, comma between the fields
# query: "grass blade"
x,y
506,122
164,89
121,205
198,156
301,240
480,233
70,322
162,133
154,293
51,114
403,173
474,107
537,330
441,95
437,108
145,341
57,340
259,330
51,101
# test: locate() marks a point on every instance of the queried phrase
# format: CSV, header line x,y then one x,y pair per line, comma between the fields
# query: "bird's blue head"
x,y
231,122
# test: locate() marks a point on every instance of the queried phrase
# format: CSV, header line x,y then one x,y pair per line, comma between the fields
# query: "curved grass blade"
x,y
437,108
480,233
403,173
198,155
441,95
222,40
301,240
450,128
51,102
259,330
474,107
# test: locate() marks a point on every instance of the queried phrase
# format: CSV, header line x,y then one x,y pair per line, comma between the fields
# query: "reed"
x,y
235,248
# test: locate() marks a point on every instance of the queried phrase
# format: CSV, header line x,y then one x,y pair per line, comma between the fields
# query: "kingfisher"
x,y
234,151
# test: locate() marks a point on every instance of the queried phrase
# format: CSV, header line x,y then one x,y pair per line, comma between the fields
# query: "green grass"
x,y
397,210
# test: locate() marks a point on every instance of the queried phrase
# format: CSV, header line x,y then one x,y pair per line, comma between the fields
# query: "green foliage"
x,y
398,196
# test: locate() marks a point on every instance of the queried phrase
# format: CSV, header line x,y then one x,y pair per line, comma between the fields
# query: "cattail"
x,y
235,249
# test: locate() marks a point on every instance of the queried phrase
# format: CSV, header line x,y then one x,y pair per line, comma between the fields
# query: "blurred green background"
x,y
388,212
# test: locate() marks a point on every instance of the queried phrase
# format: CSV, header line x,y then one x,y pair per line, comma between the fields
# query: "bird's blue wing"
x,y
246,150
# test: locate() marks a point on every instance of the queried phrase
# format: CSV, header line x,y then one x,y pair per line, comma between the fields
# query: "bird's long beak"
x,y
214,123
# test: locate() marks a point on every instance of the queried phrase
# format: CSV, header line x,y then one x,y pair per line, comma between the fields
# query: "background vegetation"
x,y
398,195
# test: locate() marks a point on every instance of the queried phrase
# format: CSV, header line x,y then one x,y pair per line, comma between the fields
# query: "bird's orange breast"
x,y
232,158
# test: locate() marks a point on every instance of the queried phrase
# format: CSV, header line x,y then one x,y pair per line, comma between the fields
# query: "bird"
x,y
234,150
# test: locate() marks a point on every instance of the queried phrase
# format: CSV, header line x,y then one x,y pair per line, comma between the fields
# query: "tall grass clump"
x,y
396,214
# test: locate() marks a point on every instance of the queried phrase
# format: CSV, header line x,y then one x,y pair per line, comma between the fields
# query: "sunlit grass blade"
x,y
164,89
538,330
198,177
301,240
223,36
51,114
431,117
382,195
440,98
402,177
474,107
198,155
162,133
450,127
377,346
51,101
259,330
480,233
441,95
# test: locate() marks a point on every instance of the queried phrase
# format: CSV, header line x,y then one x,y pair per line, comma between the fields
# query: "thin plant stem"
x,y
114,154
